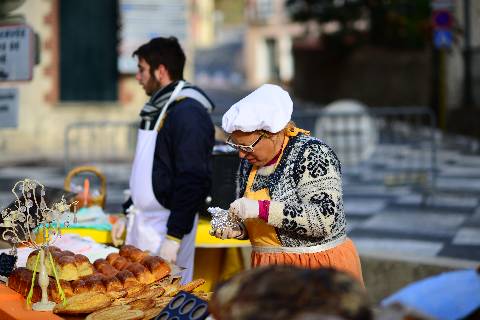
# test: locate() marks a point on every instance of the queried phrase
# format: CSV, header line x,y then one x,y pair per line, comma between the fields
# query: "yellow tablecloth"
x,y
202,240
216,259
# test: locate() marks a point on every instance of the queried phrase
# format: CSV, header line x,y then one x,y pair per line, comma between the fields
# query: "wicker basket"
x,y
91,200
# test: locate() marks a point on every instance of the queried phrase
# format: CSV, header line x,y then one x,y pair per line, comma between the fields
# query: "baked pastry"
x,y
20,281
134,275
142,274
69,266
112,284
132,253
145,268
127,279
157,266
123,312
84,303
102,266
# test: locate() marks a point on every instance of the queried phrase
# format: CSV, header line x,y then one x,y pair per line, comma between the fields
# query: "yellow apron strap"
x,y
259,232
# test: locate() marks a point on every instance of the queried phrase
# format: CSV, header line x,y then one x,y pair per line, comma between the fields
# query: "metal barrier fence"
x,y
392,146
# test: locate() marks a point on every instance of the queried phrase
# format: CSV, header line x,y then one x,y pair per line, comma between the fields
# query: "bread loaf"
x,y
20,281
125,277
145,268
69,266
132,253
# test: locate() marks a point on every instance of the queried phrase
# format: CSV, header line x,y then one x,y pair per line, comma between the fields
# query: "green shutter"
x,y
88,44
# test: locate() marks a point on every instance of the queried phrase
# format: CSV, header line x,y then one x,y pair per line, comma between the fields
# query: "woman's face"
x,y
264,150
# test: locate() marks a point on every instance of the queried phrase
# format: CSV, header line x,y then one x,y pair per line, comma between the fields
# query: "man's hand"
x,y
244,208
169,249
118,228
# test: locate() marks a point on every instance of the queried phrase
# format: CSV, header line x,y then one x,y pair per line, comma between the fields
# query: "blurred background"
x,y
76,59
392,85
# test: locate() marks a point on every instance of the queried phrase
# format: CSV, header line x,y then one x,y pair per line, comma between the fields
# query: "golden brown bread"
x,y
94,282
127,279
83,265
145,268
107,269
151,313
120,263
192,285
112,257
84,303
140,283
142,304
157,266
112,283
20,281
79,286
99,262
132,253
136,290
69,266
123,312
142,274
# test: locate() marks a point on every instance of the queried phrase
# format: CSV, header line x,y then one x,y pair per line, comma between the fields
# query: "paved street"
x,y
381,219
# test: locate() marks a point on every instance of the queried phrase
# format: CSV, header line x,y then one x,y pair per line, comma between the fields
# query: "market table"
x,y
13,307
215,259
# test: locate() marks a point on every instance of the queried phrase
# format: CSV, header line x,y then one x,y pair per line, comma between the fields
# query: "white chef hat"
x,y
268,108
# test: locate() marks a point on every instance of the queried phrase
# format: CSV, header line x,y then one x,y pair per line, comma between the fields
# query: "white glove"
x,y
169,250
226,233
244,208
118,228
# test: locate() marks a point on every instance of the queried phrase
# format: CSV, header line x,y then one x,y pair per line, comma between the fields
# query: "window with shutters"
x,y
88,50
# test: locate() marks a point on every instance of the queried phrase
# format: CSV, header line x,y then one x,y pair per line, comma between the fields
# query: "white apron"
x,y
147,222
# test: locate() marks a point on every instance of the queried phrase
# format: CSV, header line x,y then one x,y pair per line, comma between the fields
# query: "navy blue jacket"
x,y
181,173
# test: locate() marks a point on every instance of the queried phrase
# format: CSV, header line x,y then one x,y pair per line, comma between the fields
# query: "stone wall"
x,y
385,275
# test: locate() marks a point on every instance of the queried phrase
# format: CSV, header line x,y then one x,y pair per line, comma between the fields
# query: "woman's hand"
x,y
226,233
244,208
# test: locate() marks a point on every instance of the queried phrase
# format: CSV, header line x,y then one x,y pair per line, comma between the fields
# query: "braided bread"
x,y
145,268
69,266
120,274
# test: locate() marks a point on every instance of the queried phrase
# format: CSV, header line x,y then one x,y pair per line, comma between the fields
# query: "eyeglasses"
x,y
244,148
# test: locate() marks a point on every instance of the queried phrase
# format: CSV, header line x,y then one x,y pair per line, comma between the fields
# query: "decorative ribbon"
x,y
59,287
60,290
30,293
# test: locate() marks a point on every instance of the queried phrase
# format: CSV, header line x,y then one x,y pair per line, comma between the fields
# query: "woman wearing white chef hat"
x,y
290,188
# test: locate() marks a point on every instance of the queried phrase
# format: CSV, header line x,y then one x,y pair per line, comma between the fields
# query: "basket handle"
x,y
93,169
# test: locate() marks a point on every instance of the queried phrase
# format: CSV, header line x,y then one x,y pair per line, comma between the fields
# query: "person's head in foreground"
x,y
286,292
256,124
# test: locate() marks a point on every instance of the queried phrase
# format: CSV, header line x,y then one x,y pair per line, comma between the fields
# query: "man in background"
x,y
171,171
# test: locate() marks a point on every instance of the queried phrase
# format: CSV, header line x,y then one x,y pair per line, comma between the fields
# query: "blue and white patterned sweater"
x,y
306,191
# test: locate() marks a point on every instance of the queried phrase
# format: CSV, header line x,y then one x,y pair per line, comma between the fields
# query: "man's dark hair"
x,y
166,51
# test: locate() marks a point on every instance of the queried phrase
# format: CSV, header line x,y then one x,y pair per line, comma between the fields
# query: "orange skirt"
x,y
343,257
